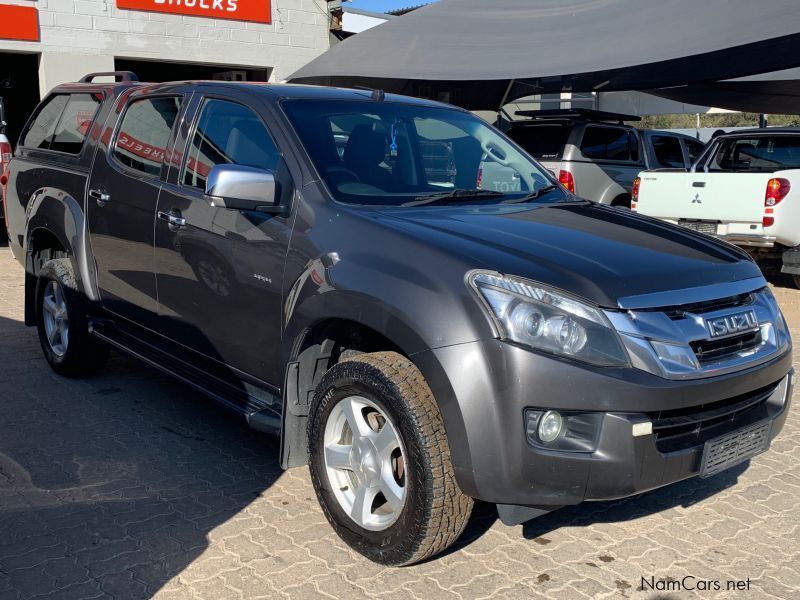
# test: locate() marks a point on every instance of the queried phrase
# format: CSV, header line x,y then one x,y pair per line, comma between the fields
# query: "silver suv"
x,y
594,155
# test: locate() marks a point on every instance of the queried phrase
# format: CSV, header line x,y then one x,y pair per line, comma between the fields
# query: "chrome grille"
x,y
676,341
709,351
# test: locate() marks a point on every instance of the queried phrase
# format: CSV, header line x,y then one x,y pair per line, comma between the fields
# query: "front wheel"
x,y
380,461
61,322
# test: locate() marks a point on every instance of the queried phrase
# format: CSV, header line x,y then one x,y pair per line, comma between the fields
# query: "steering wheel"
x,y
496,153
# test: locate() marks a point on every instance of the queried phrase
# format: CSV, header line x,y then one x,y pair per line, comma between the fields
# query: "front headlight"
x,y
540,318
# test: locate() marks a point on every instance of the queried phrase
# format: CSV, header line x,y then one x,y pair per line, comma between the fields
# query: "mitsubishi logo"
x,y
732,324
696,199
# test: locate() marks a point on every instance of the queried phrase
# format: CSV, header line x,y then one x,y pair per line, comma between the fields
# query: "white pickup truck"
x,y
744,188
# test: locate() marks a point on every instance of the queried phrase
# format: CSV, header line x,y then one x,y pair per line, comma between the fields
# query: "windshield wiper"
x,y
532,196
453,196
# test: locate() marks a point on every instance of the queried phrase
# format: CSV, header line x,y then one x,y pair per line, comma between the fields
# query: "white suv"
x,y
596,156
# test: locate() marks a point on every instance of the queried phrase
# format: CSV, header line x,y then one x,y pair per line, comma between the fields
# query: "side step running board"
x,y
262,419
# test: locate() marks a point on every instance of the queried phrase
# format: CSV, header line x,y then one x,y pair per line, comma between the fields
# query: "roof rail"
x,y
585,114
123,76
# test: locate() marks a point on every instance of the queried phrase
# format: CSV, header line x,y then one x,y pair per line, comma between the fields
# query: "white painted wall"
x,y
356,23
81,36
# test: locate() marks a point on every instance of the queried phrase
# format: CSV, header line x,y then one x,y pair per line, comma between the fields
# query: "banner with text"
x,y
256,11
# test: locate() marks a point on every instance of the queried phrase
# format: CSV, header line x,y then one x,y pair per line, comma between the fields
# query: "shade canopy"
x,y
479,54
773,93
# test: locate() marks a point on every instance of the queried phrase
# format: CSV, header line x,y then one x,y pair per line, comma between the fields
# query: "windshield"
x,y
757,153
387,153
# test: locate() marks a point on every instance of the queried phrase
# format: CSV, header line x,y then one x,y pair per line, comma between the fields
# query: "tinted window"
x,y
759,153
75,122
695,149
388,153
542,141
144,133
42,128
608,143
228,133
668,151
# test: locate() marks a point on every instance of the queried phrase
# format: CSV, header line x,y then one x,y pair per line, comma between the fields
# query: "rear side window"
x,y
75,122
228,133
144,133
546,142
609,143
695,149
63,122
42,129
668,151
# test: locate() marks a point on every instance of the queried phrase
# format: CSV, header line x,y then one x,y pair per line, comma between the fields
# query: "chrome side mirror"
x,y
242,188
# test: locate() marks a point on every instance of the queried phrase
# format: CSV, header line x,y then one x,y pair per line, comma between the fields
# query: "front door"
x,y
121,207
219,273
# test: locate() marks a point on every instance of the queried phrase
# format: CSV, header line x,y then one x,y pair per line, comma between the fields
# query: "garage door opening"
x,y
19,88
160,71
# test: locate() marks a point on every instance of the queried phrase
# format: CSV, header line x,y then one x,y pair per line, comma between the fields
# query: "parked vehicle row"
x,y
348,270
595,155
745,189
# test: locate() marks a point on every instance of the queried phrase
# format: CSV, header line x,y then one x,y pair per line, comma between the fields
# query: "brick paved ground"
x,y
130,485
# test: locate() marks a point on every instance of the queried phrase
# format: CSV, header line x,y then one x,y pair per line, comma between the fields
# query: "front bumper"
x,y
485,387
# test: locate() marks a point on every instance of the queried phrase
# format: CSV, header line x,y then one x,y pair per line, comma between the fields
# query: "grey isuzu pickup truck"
x,y
416,337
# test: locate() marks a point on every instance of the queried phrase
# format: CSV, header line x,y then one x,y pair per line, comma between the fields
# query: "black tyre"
x,y
796,281
380,461
61,321
622,202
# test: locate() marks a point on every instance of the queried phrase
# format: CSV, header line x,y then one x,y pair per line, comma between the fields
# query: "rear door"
x,y
220,274
720,197
667,152
610,158
731,188
123,195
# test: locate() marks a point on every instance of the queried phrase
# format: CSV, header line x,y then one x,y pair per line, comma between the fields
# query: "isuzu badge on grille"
x,y
732,324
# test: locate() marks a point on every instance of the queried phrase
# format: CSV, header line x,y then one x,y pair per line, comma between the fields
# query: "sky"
x,y
384,5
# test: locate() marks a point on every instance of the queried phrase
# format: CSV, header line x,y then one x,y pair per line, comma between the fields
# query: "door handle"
x,y
175,221
100,197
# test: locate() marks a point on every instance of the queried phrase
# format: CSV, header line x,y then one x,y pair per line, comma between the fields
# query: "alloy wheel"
x,y
56,318
365,463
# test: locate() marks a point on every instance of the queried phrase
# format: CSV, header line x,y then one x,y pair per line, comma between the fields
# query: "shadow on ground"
x,y
112,484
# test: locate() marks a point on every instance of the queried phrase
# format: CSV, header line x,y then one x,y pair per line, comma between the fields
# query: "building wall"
x,y
81,36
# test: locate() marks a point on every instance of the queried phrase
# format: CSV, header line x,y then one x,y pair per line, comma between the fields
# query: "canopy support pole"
x,y
506,95
500,109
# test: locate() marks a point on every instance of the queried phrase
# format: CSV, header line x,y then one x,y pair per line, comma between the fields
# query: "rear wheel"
x,y
380,462
622,202
61,322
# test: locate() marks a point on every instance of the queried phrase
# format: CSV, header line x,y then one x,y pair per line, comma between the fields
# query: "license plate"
x,y
729,450
709,228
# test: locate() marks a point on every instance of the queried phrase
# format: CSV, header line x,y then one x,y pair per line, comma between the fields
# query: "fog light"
x,y
550,426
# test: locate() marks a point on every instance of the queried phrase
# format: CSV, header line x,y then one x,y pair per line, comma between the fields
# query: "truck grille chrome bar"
x,y
704,337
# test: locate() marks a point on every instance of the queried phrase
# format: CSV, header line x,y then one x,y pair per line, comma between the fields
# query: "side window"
x,y
144,133
228,133
75,122
667,150
43,127
695,149
607,143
